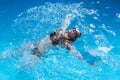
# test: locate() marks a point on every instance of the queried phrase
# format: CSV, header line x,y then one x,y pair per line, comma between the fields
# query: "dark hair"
x,y
73,36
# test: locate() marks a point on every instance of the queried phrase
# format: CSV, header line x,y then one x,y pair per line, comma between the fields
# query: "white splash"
x,y
107,30
100,51
97,2
118,15
96,18
92,25
11,43
91,30
105,49
20,14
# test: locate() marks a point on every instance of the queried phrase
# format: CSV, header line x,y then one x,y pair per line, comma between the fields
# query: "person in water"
x,y
59,37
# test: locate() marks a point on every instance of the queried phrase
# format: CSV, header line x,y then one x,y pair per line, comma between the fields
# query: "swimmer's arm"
x,y
67,22
76,53
73,50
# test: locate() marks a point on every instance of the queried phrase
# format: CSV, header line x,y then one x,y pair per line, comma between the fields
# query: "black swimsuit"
x,y
57,37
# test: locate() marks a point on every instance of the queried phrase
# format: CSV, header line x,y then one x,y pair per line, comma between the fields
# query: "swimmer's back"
x,y
57,37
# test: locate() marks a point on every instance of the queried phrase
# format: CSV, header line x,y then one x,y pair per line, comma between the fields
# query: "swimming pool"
x,y
98,21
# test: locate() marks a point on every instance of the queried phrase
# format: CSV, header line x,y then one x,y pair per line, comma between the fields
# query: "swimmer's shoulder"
x,y
56,32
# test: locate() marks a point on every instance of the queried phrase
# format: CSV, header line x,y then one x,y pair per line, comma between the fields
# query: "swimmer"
x,y
59,37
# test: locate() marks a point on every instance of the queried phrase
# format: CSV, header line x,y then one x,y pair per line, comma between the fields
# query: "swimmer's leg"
x,y
31,62
36,52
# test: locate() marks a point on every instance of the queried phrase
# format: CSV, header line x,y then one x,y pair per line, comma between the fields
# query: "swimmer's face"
x,y
75,32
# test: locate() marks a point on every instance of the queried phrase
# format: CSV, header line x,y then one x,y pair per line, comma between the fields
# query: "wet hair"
x,y
73,36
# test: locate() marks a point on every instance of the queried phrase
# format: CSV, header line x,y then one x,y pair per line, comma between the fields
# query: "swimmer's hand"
x,y
77,54
80,57
67,21
73,50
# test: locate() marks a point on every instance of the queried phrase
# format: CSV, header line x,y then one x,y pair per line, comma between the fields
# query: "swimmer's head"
x,y
73,34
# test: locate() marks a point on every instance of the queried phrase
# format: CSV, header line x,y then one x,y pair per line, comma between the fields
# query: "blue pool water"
x,y
25,22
